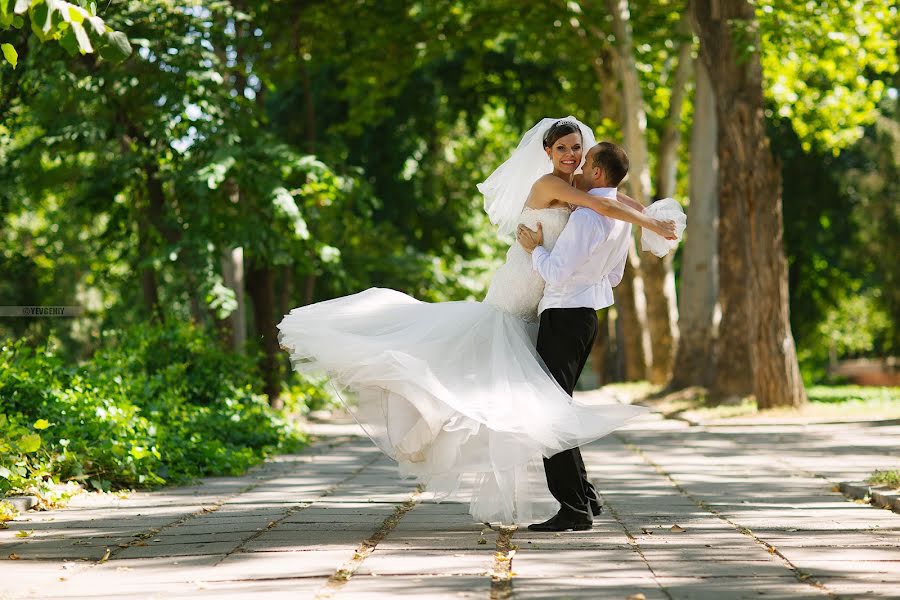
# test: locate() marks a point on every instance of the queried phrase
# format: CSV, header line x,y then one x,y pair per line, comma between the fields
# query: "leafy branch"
x,y
77,29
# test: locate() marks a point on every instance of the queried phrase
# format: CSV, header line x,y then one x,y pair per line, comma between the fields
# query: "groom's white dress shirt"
x,y
587,261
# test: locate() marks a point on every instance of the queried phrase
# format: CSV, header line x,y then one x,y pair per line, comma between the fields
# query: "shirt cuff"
x,y
537,254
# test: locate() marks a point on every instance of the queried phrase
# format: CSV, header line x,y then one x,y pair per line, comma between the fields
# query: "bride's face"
x,y
566,153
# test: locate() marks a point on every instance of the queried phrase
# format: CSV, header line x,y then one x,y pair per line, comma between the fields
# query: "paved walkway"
x,y
691,512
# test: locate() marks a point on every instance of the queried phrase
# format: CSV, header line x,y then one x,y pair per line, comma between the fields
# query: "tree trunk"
x,y
751,181
636,342
659,277
261,287
156,214
232,262
600,350
697,293
287,286
149,285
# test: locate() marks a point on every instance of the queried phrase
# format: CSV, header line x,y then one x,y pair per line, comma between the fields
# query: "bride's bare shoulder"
x,y
538,197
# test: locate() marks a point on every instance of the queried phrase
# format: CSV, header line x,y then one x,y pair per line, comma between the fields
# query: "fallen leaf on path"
x,y
638,596
482,541
122,545
105,556
123,568
646,531
14,556
771,550
678,528
24,534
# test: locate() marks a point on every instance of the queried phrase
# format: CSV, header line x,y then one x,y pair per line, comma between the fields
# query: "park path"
x,y
691,512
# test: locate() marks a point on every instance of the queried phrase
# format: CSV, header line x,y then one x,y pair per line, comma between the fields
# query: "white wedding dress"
x,y
455,392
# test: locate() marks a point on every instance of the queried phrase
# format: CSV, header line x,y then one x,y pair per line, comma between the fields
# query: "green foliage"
x,y
890,478
78,29
7,513
342,161
154,405
825,64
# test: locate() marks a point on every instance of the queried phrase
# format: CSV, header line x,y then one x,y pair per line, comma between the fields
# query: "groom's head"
x,y
606,165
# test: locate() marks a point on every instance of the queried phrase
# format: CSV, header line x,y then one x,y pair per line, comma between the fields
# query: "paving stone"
x,y
585,588
362,587
863,586
175,549
403,562
287,526
738,588
580,563
265,565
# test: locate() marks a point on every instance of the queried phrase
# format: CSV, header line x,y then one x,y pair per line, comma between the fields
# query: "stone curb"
x,y
21,503
878,496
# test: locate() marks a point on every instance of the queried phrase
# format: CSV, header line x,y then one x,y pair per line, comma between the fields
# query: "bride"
x,y
455,392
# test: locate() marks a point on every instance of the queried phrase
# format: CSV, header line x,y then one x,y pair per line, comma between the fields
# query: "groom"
x,y
587,261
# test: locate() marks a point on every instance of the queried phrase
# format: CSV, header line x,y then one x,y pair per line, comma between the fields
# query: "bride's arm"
x,y
556,188
625,199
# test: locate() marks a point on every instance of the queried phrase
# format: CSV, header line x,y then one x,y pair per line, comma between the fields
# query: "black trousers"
x,y
565,338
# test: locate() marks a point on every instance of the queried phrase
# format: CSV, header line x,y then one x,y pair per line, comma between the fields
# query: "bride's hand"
x,y
666,229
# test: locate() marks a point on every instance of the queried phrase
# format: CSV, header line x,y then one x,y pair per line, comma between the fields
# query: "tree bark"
x,y
600,351
156,213
261,287
694,359
632,302
750,182
149,285
659,277
232,262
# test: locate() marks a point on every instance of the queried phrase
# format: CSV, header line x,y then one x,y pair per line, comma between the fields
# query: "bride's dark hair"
x,y
558,130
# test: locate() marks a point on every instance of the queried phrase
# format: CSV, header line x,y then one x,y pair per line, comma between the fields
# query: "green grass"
x,y
853,394
889,478
825,402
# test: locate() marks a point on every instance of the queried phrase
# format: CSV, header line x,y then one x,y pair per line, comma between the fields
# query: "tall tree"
x,y
694,359
662,308
750,180
633,300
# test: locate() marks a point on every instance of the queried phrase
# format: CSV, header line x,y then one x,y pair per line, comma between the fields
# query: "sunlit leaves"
x,y
77,29
10,54
825,62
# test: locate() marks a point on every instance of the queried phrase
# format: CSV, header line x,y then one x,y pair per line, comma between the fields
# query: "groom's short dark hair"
x,y
613,160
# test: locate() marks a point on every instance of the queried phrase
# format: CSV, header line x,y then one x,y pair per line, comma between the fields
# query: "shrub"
x,y
154,405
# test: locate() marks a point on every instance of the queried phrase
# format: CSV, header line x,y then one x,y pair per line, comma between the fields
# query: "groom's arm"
x,y
576,242
615,276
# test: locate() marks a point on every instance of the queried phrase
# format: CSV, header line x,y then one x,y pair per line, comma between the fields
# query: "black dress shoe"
x,y
564,522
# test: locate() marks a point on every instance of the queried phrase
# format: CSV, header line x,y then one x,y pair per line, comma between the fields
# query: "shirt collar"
x,y
604,192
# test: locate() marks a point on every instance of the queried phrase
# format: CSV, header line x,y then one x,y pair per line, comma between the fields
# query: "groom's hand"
x,y
529,238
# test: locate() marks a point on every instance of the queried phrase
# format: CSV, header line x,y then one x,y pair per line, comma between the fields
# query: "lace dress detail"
x,y
516,288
